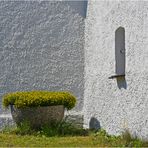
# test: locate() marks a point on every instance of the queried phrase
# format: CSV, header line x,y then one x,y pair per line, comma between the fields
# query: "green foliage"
x,y
7,129
102,138
131,141
39,98
64,134
62,128
11,140
24,128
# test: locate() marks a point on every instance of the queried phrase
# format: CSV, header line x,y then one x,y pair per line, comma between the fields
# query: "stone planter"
x,y
38,116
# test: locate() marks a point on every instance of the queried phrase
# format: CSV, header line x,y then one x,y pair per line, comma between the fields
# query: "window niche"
x,y
120,51
120,59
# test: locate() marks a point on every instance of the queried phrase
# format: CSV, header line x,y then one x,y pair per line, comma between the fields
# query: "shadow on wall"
x,y
79,6
94,123
121,82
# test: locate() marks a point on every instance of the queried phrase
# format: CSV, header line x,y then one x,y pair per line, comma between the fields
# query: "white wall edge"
x,y
6,116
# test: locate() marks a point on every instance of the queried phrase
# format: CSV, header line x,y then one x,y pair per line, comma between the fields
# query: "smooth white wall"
x,y
116,104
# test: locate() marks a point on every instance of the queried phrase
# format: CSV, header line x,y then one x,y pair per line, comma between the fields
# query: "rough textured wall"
x,y
116,104
41,48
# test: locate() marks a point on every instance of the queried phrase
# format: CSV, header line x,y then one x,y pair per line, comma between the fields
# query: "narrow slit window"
x,y
120,51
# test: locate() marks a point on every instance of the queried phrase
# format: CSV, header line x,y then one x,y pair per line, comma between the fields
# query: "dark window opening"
x,y
120,51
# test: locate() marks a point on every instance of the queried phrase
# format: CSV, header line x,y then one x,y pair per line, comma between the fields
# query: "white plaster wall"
x,y
114,104
41,48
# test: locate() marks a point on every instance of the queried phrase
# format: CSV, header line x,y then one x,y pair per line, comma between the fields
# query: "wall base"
x,y
6,121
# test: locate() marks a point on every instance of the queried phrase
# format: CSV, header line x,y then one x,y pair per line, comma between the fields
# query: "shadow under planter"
x,y
37,116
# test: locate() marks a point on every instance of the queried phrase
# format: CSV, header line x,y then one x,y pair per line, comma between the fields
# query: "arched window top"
x,y
120,28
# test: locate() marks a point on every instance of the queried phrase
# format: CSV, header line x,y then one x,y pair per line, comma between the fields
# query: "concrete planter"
x,y
38,116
